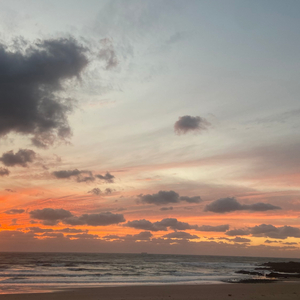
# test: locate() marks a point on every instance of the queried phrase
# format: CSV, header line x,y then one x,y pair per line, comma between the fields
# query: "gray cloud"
x,y
108,54
224,205
142,224
82,236
101,219
167,197
174,224
270,231
181,235
14,211
219,228
142,236
235,232
30,80
109,178
187,123
241,240
64,230
10,190
167,208
21,158
108,191
78,174
195,199
95,191
4,172
50,216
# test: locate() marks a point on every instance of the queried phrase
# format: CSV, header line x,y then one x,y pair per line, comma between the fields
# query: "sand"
x,y
274,291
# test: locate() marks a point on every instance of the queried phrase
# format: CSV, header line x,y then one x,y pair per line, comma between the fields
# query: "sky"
x,y
162,126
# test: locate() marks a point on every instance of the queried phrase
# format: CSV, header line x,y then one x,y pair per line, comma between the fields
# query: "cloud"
x,y
4,172
95,191
225,205
108,54
101,219
142,224
195,199
64,230
219,228
270,231
167,197
187,124
78,174
109,178
235,232
241,240
174,224
10,190
50,216
167,208
14,211
181,235
82,236
142,236
108,191
21,158
31,78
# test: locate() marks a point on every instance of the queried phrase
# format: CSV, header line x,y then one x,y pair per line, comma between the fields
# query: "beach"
x,y
274,291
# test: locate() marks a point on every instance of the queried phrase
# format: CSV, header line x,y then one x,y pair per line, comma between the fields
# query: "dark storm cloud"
x,y
50,216
174,224
181,235
101,219
270,231
20,158
167,208
14,211
186,124
167,197
108,54
95,191
29,81
4,172
225,205
80,175
109,178
235,232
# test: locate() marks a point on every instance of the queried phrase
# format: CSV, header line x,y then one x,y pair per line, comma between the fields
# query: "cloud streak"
x,y
167,197
225,205
50,216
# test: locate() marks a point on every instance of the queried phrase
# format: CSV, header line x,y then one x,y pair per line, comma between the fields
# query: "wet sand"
x,y
275,291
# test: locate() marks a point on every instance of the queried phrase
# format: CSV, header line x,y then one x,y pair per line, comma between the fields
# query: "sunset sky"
x,y
162,126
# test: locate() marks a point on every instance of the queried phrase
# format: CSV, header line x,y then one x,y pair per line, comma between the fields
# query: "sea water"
x,y
32,272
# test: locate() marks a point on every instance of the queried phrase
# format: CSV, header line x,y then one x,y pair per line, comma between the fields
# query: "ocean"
x,y
37,272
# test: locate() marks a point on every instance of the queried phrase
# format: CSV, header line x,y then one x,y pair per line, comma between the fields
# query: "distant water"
x,y
32,272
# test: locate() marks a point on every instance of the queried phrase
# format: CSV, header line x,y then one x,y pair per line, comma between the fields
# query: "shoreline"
x,y
280,290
